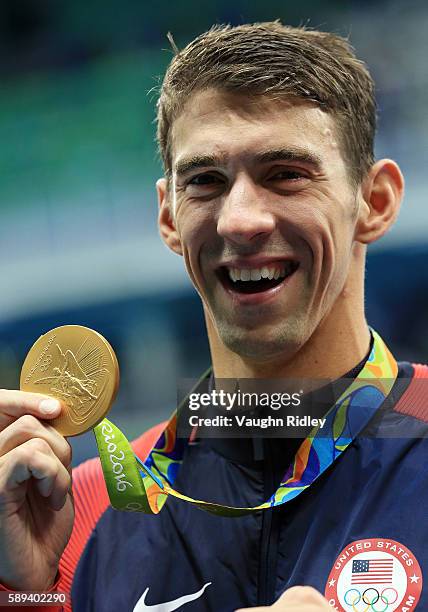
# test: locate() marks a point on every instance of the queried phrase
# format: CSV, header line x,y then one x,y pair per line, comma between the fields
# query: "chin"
x,y
261,345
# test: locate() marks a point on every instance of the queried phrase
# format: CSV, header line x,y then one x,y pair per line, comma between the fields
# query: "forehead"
x,y
237,125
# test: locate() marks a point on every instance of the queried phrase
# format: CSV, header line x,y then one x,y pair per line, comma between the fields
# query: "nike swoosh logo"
x,y
168,606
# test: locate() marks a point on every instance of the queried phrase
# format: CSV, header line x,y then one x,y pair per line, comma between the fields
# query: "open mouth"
x,y
257,280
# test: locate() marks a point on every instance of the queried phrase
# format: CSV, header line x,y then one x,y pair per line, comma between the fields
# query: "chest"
x,y
363,520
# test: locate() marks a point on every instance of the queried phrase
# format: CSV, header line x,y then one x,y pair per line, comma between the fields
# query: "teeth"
x,y
256,274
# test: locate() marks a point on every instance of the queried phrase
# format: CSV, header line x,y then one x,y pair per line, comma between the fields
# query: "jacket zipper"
x,y
268,539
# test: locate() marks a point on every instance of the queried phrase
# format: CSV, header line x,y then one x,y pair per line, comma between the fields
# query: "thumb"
x,y
302,595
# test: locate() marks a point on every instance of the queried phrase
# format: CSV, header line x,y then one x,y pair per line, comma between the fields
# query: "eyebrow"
x,y
193,162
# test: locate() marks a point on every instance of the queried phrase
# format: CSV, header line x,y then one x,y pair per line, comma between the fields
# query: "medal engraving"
x,y
39,359
78,367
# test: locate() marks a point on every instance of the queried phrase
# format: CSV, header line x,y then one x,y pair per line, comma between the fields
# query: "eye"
x,y
204,185
204,179
287,175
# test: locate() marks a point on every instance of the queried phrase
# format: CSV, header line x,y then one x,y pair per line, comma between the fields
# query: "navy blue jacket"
x,y
366,514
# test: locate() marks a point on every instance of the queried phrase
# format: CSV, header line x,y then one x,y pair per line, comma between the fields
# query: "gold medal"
x,y
77,366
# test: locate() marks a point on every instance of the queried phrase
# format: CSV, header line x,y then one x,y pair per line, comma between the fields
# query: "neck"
x,y
338,344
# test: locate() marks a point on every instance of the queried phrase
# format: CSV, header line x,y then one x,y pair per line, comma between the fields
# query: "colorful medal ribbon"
x,y
139,486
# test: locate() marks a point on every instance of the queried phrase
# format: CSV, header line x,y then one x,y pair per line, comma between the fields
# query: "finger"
x,y
35,459
14,404
302,595
27,427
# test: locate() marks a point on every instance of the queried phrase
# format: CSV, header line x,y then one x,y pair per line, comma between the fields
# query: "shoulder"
x,y
144,443
91,501
414,400
90,473
88,479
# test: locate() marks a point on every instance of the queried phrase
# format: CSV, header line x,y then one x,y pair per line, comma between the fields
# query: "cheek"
x,y
330,217
335,240
190,223
315,230
324,230
195,228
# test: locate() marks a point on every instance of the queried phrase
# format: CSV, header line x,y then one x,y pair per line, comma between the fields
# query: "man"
x,y
271,195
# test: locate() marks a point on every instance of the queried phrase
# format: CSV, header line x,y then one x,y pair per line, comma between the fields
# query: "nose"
x,y
244,214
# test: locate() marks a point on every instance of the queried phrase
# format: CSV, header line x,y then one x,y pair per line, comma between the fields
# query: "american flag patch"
x,y
372,571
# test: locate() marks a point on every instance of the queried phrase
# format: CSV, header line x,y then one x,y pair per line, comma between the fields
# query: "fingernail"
x,y
49,406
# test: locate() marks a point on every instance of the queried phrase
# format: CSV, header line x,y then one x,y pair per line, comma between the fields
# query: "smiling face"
x,y
264,213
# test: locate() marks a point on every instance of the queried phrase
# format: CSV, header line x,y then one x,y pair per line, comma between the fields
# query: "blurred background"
x,y
78,164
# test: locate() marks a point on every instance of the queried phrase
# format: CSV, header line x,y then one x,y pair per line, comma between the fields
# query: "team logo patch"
x,y
374,575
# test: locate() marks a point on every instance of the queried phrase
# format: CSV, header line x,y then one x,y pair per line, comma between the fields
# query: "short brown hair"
x,y
276,60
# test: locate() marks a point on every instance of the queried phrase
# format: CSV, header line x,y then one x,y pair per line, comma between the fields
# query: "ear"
x,y
382,192
166,222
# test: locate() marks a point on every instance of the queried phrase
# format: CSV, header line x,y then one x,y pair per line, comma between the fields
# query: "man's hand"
x,y
36,508
296,599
